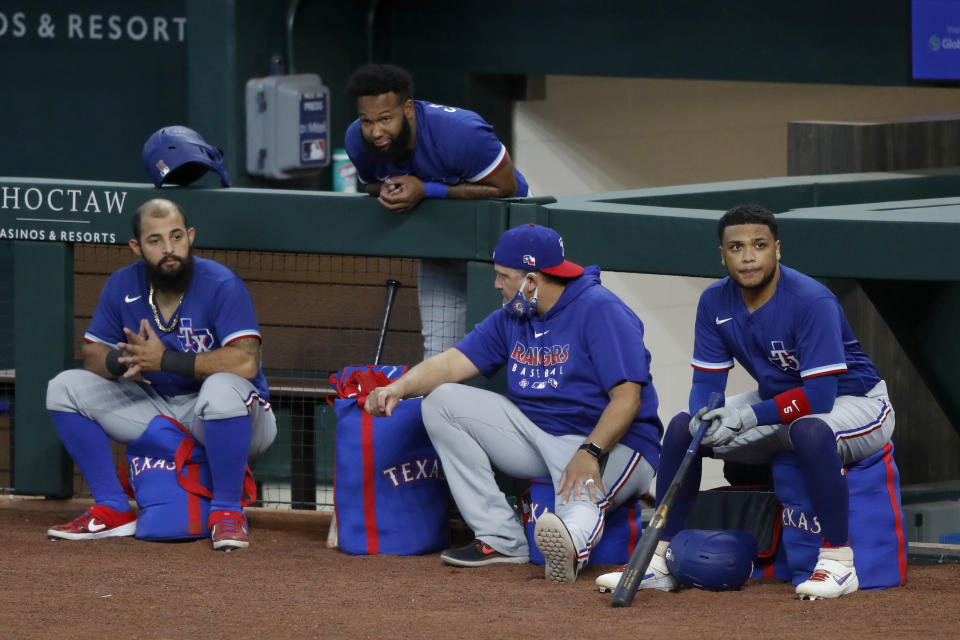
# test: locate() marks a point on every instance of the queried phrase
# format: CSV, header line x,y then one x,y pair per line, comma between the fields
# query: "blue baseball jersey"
x,y
561,366
216,310
800,333
453,145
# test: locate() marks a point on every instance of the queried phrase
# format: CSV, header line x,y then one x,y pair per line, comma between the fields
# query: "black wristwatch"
x,y
592,449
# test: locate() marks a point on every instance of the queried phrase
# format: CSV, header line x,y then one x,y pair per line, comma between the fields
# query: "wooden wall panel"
x,y
921,141
927,441
317,313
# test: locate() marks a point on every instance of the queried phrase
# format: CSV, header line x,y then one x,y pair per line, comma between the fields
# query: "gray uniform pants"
x,y
861,425
474,430
123,408
442,293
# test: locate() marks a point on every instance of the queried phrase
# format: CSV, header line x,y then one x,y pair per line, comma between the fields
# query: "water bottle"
x,y
344,173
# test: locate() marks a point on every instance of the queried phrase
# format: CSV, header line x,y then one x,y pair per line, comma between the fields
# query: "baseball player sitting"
x,y
172,335
818,394
580,407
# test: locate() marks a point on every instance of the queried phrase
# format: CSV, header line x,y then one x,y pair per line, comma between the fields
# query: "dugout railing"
x,y
892,232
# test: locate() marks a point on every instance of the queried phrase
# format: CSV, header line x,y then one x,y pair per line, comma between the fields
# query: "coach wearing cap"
x,y
580,407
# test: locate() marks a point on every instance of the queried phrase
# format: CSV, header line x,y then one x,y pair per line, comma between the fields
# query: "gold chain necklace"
x,y
156,315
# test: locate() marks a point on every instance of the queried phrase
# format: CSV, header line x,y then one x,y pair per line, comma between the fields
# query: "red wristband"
x,y
792,405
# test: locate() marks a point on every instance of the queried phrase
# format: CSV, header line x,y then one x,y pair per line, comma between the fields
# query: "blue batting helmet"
x,y
713,560
178,155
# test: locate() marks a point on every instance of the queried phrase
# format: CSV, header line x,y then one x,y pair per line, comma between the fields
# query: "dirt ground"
x,y
289,585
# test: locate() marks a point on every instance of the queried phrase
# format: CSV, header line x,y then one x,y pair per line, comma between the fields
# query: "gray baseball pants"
x,y
123,408
442,294
474,430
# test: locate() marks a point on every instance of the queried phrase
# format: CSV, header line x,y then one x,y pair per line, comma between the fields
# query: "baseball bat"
x,y
333,541
392,287
642,554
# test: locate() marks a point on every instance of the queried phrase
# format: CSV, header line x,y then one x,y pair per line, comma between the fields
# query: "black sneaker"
x,y
479,554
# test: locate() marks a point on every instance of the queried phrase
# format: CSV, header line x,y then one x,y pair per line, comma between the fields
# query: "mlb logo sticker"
x,y
163,168
529,260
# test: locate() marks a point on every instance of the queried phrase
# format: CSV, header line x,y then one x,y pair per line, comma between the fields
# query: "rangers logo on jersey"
x,y
196,340
784,358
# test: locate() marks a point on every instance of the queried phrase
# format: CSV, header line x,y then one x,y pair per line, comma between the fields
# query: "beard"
x,y
176,280
767,279
397,152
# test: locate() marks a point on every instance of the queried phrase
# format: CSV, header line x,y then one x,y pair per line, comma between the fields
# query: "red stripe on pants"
x,y
369,478
897,514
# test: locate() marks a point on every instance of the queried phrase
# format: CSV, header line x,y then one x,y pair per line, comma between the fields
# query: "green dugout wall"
x,y
94,78
894,233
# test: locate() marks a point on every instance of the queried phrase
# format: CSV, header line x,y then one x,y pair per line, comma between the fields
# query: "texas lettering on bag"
x,y
797,519
414,470
140,464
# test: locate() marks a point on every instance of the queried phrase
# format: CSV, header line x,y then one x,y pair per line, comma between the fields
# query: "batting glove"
x,y
695,422
726,423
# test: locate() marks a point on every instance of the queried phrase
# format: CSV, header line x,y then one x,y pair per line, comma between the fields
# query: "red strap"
x,y
194,513
775,541
124,478
249,488
632,521
191,481
369,477
358,384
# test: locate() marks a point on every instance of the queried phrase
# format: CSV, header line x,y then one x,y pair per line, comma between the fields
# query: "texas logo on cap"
x,y
534,246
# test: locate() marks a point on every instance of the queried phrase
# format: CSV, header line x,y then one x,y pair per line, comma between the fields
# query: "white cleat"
x,y
834,576
609,581
657,576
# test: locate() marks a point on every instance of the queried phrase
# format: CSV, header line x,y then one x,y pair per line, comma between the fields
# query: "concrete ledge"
x,y
933,553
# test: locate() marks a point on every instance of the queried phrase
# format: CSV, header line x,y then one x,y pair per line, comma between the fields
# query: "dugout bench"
x,y
892,232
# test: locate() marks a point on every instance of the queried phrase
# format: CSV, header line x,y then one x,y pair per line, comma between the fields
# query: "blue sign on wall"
x,y
936,39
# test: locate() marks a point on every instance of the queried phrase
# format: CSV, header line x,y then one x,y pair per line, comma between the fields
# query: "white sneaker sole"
x,y
834,580
555,544
117,532
230,545
609,581
500,559
818,591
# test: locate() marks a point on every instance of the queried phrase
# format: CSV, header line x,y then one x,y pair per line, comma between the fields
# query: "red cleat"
x,y
97,522
228,530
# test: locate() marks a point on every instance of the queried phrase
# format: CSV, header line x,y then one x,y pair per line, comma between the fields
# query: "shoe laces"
x,y
230,525
82,520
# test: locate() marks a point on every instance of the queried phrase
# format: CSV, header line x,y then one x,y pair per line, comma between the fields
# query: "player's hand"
x,y
143,350
401,193
582,472
382,401
695,421
726,423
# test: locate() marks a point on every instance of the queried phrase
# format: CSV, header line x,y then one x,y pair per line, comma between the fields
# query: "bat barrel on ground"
x,y
642,554
333,541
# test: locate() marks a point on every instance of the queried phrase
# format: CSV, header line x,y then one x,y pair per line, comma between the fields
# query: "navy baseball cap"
x,y
179,155
531,247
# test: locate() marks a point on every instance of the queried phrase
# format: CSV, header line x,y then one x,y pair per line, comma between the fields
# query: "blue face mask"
x,y
520,306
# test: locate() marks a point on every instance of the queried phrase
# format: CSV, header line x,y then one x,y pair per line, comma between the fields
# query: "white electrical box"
x,y
288,126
